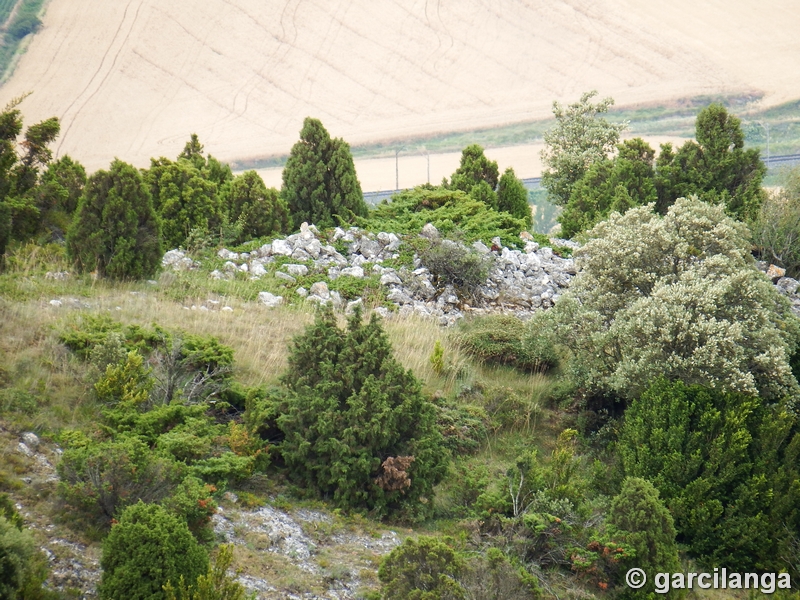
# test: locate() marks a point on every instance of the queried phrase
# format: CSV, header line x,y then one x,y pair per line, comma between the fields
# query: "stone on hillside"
x,y
390,279
230,266
257,269
226,254
265,250
244,268
480,247
270,300
775,272
320,289
430,232
351,306
370,249
285,276
531,247
353,272
300,254
31,439
313,248
338,234
281,247
169,258
525,236
55,303
297,270
787,285
399,296
302,292
394,243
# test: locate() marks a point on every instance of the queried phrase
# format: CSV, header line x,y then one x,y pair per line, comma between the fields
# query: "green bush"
x,y
501,339
115,230
512,197
216,584
453,212
776,231
454,264
99,479
422,569
144,551
17,549
357,428
677,296
725,464
320,184
640,519
259,210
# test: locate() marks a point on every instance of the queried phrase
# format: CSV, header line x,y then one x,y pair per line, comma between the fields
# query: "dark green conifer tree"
x,y
260,210
512,197
146,549
640,519
115,229
354,419
473,169
320,185
184,198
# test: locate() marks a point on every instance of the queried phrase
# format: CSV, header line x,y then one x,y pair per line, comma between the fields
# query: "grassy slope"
x,y
43,388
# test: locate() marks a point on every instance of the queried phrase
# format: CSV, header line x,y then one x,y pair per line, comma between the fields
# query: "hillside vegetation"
x,y
294,425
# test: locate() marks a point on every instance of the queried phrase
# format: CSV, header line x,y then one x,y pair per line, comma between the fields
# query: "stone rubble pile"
x,y
519,281
787,286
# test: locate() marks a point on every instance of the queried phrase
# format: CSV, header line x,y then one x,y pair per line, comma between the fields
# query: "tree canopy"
x,y
579,139
357,427
320,185
115,229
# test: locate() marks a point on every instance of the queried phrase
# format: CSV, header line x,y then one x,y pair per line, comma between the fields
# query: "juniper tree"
x,y
147,549
184,198
476,175
512,197
320,185
259,210
115,229
351,407
639,518
725,464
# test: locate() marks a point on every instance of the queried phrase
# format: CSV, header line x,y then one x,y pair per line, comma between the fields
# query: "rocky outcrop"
x,y
519,281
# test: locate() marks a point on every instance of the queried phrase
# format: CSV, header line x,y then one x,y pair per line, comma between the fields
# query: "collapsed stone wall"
x,y
519,281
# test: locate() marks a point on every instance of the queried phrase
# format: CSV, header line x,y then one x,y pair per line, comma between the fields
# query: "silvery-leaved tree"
x,y
678,297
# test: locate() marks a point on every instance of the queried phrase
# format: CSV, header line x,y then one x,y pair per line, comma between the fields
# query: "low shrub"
x,y
501,340
452,263
147,549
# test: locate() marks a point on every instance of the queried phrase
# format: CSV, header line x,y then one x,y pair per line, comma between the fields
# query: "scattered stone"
x,y
31,439
257,269
787,285
296,270
302,292
226,309
58,275
353,272
22,448
56,303
281,247
430,232
351,306
775,273
320,289
285,276
390,279
270,300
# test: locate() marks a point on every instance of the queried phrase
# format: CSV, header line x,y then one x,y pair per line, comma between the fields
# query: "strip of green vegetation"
x,y
25,22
